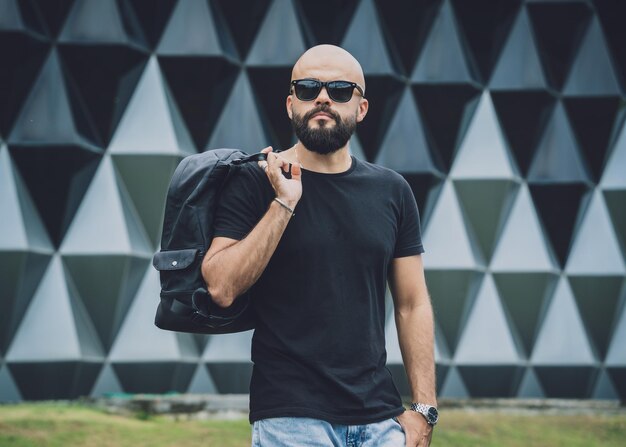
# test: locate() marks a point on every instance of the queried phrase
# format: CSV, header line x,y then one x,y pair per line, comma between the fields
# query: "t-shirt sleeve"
x,y
409,240
241,205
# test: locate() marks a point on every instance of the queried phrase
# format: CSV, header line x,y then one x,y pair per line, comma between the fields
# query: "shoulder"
x,y
380,174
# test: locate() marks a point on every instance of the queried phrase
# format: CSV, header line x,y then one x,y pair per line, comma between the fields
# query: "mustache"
x,y
324,108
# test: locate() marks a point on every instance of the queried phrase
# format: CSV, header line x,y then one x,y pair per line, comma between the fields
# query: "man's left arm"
x,y
414,321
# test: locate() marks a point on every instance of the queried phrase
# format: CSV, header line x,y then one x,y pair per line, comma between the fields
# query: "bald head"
x,y
328,62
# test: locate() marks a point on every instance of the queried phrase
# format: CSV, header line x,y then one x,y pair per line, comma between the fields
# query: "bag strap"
x,y
254,157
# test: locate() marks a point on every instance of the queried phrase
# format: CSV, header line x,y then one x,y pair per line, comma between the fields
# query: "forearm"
x,y
233,270
416,337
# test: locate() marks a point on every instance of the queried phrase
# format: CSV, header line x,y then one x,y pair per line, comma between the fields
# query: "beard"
x,y
323,139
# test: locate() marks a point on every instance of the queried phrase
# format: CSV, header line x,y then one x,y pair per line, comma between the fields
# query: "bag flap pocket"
x,y
174,259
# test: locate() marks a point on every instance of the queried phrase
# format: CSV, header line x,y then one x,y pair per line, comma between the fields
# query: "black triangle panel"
x,y
244,18
595,121
271,87
152,16
324,25
383,93
446,111
523,116
567,382
611,14
492,380
559,207
55,380
155,377
398,16
30,17
426,187
200,86
618,374
400,380
559,28
231,377
615,200
115,70
22,57
486,25
53,13
57,178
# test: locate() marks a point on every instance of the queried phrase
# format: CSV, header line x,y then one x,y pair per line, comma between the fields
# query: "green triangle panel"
x,y
443,59
523,116
604,388
139,340
418,16
152,123
244,20
453,294
115,70
558,45
200,86
560,207
384,94
153,16
483,153
106,384
404,147
615,203
177,40
485,25
567,382
446,110
562,339
22,56
106,284
558,158
106,222
231,377
279,40
486,205
364,39
599,299
454,387
486,326
228,348
21,227
154,377
270,83
8,390
201,382
595,250
55,380
491,381
240,107
53,114
592,72
95,21
20,273
146,178
595,121
56,178
55,326
525,298
530,388
519,66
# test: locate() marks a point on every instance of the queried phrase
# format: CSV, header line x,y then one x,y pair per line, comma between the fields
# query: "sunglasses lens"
x,y
307,89
340,91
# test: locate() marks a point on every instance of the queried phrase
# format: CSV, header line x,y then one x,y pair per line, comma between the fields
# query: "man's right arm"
x,y
230,267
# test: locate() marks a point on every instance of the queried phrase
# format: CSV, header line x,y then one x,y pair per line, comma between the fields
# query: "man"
x,y
316,234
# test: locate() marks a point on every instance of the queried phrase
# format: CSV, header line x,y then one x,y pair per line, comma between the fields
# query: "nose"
x,y
323,97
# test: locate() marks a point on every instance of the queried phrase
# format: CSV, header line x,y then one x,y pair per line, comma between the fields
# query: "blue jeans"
x,y
307,432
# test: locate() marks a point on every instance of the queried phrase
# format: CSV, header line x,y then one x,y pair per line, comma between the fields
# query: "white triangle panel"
x,y
614,176
228,348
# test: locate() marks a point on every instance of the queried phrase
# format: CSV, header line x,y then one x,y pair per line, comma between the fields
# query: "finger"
x,y
267,149
296,172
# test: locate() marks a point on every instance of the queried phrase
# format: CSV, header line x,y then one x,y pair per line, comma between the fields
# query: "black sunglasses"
x,y
339,91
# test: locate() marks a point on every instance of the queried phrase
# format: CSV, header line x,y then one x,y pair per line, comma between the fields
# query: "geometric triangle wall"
x,y
509,125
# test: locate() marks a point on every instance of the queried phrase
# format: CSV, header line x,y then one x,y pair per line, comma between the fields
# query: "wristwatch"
x,y
428,411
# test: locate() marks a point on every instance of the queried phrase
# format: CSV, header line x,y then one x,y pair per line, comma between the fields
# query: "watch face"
x,y
433,415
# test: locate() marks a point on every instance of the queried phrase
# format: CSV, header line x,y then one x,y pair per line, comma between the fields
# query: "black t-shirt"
x,y
319,345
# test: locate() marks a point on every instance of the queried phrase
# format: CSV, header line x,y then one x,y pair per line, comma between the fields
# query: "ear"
x,y
363,108
288,103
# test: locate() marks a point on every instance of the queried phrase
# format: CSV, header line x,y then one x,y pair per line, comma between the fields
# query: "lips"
x,y
322,115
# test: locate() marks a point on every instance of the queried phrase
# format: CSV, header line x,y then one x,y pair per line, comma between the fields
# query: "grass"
x,y
51,425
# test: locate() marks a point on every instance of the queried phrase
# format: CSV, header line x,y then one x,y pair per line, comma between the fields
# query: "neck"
x,y
333,163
